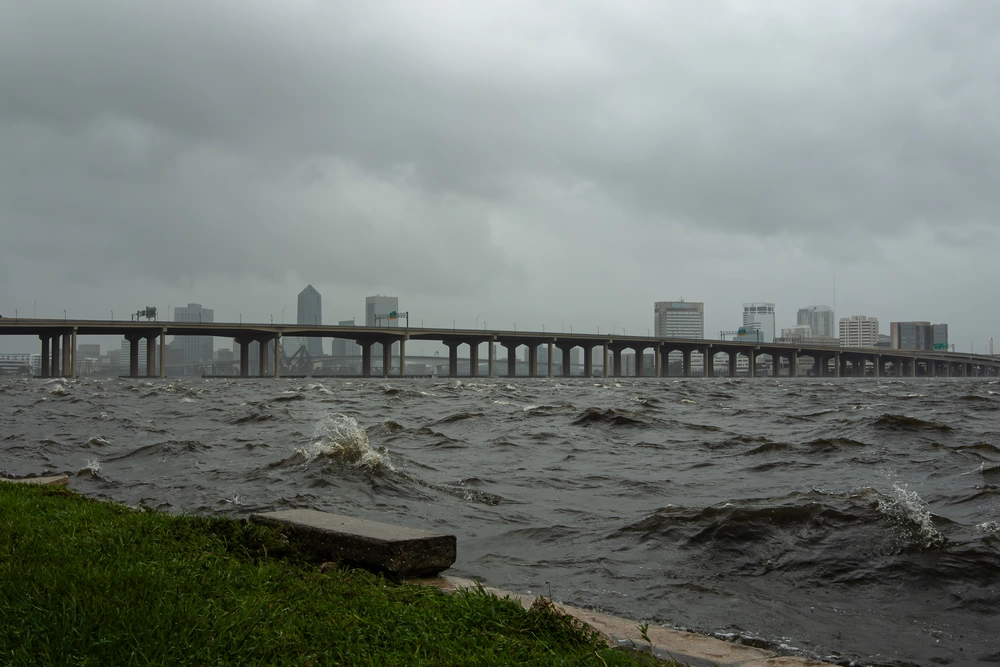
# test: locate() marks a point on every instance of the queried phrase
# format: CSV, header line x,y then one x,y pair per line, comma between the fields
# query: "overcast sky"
x,y
549,164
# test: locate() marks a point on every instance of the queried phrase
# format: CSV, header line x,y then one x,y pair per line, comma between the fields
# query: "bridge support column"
x,y
387,359
277,356
262,357
66,358
752,354
775,365
366,357
733,363
533,360
402,357
604,370
931,368
708,363
879,366
793,364
151,356
473,358
163,354
550,371
687,363
640,366
588,361
490,357
658,361
511,359
46,352
452,359
56,352
133,356
617,361
841,366
72,347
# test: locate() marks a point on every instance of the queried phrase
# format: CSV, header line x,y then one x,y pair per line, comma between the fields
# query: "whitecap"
x,y
339,437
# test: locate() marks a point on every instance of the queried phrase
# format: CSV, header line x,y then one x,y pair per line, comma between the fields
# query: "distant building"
x,y
679,319
761,314
346,347
310,313
88,351
195,349
125,358
918,336
858,331
818,318
380,311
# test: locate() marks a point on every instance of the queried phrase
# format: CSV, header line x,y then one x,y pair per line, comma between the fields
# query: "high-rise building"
x,y
918,336
380,311
346,347
858,331
125,359
679,319
310,313
761,314
818,318
195,349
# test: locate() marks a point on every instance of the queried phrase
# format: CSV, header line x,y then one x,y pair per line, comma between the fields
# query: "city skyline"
x,y
726,153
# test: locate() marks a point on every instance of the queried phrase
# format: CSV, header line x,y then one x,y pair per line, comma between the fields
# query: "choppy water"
x,y
837,519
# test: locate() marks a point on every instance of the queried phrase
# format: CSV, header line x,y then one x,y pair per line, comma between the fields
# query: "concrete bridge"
x,y
59,345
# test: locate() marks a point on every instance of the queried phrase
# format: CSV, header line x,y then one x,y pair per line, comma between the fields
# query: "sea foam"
x,y
339,437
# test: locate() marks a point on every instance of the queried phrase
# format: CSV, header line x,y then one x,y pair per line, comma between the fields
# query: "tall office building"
x,y
818,318
380,312
125,359
346,347
195,349
762,315
679,319
918,336
310,313
858,331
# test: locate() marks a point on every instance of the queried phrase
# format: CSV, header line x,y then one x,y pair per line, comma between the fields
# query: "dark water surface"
x,y
837,519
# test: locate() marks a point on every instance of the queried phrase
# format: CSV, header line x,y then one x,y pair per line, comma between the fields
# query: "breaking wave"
x,y
339,437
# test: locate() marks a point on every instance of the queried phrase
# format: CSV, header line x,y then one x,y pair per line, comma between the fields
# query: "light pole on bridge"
x,y
614,328
477,320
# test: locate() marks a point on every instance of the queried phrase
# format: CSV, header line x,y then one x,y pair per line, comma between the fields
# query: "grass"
x,y
85,582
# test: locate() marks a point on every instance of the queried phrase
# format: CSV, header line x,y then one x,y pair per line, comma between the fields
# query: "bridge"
x,y
59,348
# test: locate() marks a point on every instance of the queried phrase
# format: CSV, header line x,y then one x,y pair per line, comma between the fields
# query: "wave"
x,y
610,417
338,437
458,417
892,422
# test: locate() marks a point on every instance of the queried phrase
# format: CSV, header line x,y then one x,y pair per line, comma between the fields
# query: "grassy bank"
x,y
93,583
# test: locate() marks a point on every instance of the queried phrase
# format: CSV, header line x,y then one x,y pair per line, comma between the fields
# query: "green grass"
x,y
84,582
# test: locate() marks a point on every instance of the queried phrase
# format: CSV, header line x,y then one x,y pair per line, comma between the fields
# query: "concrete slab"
x,y
394,550
685,647
58,480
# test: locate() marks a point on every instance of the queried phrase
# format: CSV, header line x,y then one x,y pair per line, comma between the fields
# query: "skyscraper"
x,y
310,313
820,319
679,319
194,348
858,331
380,311
761,314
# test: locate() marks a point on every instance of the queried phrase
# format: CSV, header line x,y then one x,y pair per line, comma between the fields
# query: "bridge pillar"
x,y
533,360
151,356
511,358
708,365
605,364
163,354
402,357
262,357
793,364
879,366
687,363
841,366
733,360
551,357
639,360
277,356
658,360
366,357
473,358
72,347
616,355
490,355
753,363
56,368
46,351
387,359
452,358
931,368
775,364
133,356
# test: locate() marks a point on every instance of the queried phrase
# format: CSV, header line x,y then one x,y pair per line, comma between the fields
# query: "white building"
x,y
762,314
680,319
858,331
